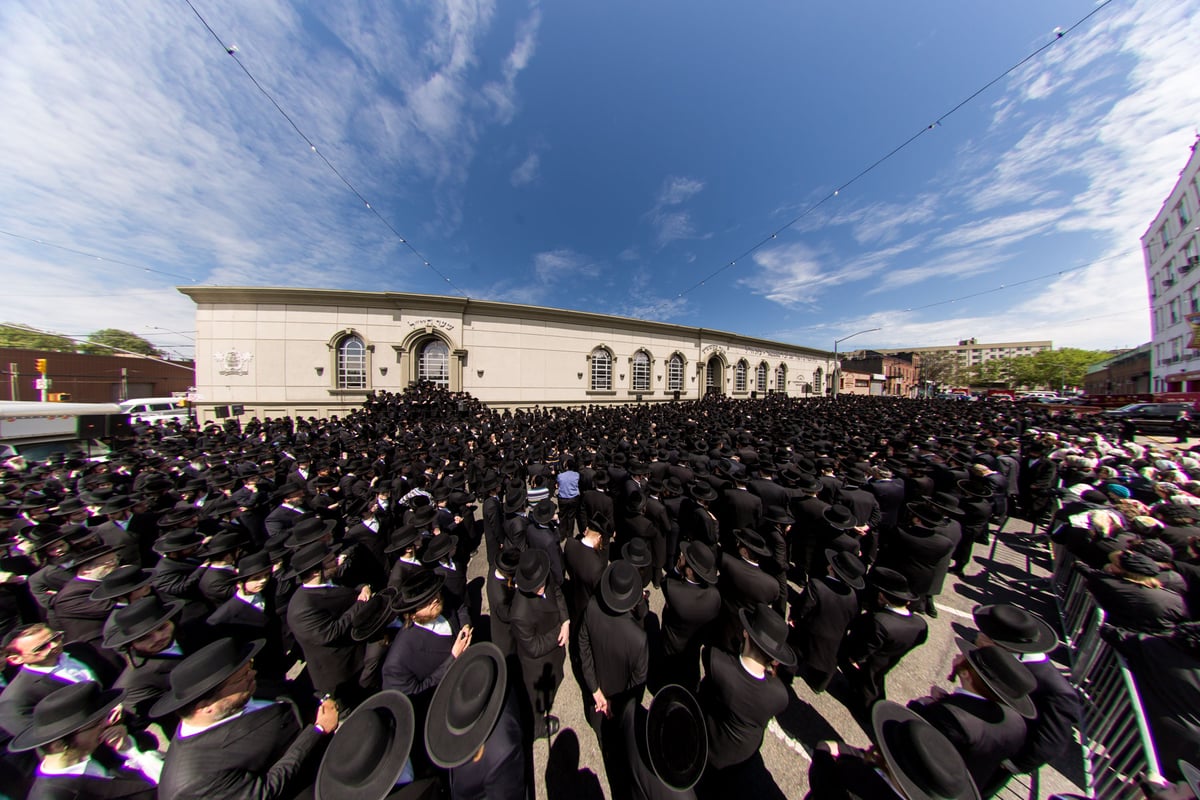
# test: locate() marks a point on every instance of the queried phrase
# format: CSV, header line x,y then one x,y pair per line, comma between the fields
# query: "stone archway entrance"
x,y
714,376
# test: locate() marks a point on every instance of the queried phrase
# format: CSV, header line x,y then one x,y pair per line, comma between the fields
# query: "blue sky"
x,y
604,156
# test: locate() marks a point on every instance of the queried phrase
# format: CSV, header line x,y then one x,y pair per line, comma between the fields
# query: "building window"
x,y
760,378
781,378
739,377
601,370
818,381
433,363
351,363
639,372
675,373
1182,212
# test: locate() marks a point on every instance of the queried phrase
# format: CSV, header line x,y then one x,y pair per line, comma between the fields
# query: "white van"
x,y
156,409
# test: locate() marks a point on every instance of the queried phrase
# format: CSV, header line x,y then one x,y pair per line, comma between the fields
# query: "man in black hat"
x,y
663,751
228,743
85,752
500,589
73,610
540,532
807,510
115,532
251,613
826,609
441,555
612,646
744,583
493,517
737,509
320,615
865,510
541,627
423,649
880,638
911,760
145,634
740,694
586,557
44,664
219,581
289,511
985,717
1036,481
697,522
919,552
473,729
1031,639
177,574
595,499
691,605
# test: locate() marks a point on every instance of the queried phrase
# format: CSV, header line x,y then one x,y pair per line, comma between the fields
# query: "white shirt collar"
x,y
1033,658
440,626
186,730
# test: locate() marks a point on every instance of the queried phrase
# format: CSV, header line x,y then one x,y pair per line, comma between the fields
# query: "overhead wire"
x,y
1058,35
232,50
106,259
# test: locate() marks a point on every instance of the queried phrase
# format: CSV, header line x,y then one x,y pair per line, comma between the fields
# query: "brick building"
x,y
1125,373
900,371
91,378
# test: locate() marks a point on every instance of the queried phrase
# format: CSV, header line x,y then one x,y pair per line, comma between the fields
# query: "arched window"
x,y
739,377
760,378
640,372
781,378
433,363
675,373
601,370
351,363
818,381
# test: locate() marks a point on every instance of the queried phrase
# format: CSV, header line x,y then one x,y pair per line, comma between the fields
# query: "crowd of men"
x,y
283,609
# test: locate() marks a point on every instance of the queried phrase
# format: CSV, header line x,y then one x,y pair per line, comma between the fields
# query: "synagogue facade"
x,y
316,352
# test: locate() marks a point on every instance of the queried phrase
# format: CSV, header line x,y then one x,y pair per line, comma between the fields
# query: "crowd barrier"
x,y
1118,748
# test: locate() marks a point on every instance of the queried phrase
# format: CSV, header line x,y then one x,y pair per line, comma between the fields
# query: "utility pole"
x,y
124,384
837,365
43,383
14,378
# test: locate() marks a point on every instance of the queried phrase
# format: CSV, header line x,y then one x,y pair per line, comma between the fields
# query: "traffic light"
x,y
40,365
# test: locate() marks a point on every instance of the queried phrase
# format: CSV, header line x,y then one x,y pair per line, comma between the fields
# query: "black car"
x,y
1151,417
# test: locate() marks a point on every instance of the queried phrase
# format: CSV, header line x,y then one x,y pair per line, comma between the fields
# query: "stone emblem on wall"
x,y
233,362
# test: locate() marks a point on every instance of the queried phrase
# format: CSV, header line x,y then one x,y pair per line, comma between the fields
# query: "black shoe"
x,y
931,611
549,728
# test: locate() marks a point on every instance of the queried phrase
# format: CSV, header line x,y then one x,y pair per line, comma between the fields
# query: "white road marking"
x,y
954,611
788,742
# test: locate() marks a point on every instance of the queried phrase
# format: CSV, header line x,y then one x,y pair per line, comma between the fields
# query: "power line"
x,y
232,51
1058,34
105,259
84,340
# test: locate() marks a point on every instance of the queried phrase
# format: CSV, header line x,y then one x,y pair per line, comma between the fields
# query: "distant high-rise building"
x,y
1172,257
972,352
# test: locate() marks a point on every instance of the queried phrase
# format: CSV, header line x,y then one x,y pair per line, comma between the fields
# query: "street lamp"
x,y
837,365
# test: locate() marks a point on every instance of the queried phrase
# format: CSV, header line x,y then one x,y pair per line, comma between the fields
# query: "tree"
x,y
19,337
941,366
1049,369
113,340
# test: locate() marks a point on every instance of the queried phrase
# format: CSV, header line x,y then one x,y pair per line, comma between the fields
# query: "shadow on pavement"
x,y
564,779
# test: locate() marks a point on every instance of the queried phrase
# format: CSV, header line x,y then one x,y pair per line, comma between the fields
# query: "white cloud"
x,y
552,266
670,222
527,171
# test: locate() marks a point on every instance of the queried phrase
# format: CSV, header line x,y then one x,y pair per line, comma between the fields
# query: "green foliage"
x,y
13,336
118,341
1049,369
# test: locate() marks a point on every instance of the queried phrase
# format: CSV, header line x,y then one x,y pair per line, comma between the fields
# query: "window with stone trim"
x,y
639,370
781,378
739,376
433,363
760,378
351,363
675,373
601,370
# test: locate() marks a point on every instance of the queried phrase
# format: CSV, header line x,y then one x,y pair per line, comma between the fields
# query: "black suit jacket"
x,y
175,579
874,644
687,611
612,651
737,707
821,619
217,584
500,597
889,494
320,620
535,623
418,659
545,538
585,566
27,687
737,508
743,585
1059,712
258,756
123,783
1135,607
984,732
918,554
78,616
124,541
144,683
500,773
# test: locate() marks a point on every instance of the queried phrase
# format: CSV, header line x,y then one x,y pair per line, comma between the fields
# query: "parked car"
x,y
1150,417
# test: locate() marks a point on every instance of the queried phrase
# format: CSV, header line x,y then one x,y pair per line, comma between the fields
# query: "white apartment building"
x,y
1172,256
972,352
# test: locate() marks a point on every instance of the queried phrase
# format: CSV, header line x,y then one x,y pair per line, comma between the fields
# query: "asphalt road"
x,y
1013,569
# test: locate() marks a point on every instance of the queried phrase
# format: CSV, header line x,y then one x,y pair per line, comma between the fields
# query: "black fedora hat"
x,y
309,530
1008,678
922,762
308,558
224,542
423,517
947,502
702,490
533,570
839,517
621,586
177,516
438,548
177,540
930,515
508,561
84,557
62,712
253,565
635,503
700,557
401,539
976,488
892,583
203,671
372,616
807,482
769,631
369,750
637,552
543,512
514,499
847,566
752,541
676,738
117,504
466,705
417,589
778,515
1015,628
122,581
126,625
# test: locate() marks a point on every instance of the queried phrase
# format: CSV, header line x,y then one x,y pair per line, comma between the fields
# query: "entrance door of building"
x,y
714,379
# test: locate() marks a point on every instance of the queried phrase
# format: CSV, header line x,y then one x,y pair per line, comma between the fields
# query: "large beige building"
x,y
1172,257
313,352
972,352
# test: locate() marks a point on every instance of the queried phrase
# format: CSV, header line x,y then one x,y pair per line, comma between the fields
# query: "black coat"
x,y
821,618
984,732
501,773
889,494
737,707
418,659
918,554
585,566
874,644
126,544
258,756
535,623
737,508
78,616
320,620
545,538
612,652
123,783
1058,713
500,597
687,611
144,684
1133,606
175,579
218,584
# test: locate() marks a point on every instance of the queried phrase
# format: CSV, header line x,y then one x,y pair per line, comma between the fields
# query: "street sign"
x,y
43,383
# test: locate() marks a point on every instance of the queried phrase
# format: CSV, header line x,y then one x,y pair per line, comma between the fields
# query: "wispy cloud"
x,y
672,223
527,171
564,264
